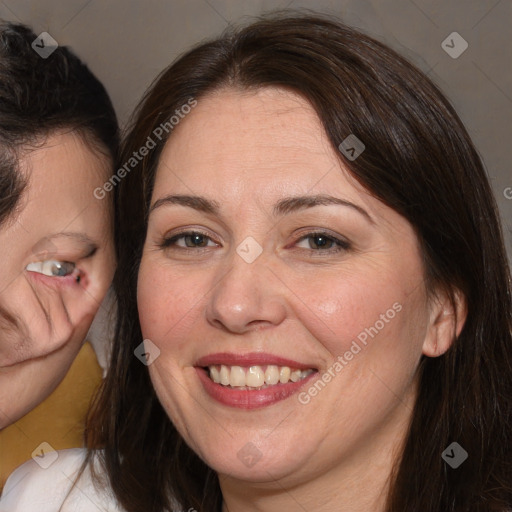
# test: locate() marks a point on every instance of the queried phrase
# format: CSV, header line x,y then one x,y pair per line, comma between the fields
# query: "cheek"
x,y
363,314
168,303
15,343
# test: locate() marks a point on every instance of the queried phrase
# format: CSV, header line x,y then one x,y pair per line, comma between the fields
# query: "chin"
x,y
253,461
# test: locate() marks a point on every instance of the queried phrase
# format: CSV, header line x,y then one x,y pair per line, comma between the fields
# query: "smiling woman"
x,y
256,252
319,221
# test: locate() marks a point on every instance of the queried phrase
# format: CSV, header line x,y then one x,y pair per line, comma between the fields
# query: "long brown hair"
x,y
418,160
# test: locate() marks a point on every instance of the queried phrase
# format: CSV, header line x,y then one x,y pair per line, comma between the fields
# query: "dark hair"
x,y
419,161
41,95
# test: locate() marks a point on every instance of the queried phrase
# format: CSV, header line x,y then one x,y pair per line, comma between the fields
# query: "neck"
x,y
312,496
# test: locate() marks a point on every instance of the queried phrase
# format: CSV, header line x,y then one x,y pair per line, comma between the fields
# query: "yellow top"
x,y
58,421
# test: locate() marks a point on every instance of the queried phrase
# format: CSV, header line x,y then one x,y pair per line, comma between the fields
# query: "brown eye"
x,y
196,240
188,240
320,242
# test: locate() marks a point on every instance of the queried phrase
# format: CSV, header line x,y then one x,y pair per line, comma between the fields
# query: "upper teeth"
x,y
255,376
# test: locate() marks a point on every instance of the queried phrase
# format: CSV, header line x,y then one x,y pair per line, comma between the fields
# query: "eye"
x,y
52,268
190,240
322,242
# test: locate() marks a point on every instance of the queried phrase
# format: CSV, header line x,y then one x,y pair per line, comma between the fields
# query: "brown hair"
x,y
418,160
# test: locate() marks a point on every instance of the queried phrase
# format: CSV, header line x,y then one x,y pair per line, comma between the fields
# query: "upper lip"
x,y
250,359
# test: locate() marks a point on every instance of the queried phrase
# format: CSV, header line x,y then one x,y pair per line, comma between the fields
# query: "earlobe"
x,y
447,317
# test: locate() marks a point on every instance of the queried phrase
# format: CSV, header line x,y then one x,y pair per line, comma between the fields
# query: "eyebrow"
x,y
293,204
282,207
196,202
78,236
82,238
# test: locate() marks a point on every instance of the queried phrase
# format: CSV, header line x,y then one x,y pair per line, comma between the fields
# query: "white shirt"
x,y
32,488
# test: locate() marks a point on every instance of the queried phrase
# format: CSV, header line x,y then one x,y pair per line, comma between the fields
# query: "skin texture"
x,y
246,151
44,319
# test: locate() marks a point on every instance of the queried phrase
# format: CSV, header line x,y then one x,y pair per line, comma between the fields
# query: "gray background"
x,y
127,43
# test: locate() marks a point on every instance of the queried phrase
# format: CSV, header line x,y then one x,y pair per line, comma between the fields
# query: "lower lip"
x,y
250,399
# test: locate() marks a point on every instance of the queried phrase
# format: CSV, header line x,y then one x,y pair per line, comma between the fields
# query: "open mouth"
x,y
255,377
252,380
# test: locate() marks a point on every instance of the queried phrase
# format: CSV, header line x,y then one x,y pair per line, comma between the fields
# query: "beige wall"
x,y
126,43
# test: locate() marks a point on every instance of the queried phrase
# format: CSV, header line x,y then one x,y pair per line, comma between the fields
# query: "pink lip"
x,y
249,399
251,359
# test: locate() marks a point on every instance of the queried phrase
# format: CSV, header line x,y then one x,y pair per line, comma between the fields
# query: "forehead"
x,y
61,174
253,118
250,138
69,155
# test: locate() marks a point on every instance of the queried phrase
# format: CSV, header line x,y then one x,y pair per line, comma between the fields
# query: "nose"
x,y
248,297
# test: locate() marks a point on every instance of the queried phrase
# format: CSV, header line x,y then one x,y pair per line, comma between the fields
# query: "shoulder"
x,y
52,486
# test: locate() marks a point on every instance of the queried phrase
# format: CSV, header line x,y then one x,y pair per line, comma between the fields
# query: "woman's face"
x,y
285,306
57,264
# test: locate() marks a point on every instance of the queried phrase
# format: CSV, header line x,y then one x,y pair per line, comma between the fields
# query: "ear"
x,y
447,316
